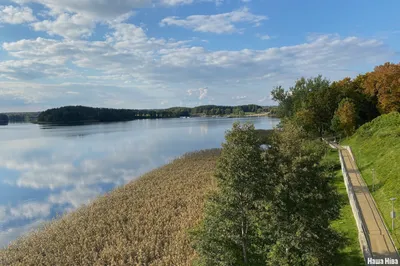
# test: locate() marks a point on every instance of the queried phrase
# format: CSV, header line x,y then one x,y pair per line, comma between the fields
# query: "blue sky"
x,y
161,53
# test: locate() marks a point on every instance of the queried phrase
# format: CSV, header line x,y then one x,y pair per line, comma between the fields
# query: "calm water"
x,y
47,170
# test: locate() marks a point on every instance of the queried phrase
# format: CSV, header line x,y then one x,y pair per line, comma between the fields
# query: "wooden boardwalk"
x,y
378,237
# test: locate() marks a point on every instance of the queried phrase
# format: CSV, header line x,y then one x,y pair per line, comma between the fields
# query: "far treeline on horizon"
x,y
71,114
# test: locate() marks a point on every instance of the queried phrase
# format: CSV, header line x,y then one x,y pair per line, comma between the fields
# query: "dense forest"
x,y
339,108
20,117
70,114
3,119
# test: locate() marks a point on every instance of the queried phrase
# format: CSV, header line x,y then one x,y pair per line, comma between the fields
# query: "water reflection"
x,y
49,170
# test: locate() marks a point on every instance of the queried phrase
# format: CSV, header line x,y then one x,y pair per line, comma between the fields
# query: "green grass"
x,y
376,145
350,254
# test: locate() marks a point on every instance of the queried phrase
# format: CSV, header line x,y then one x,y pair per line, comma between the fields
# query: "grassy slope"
x,y
142,223
376,145
350,254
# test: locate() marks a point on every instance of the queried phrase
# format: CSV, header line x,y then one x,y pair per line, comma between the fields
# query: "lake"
x,y
48,170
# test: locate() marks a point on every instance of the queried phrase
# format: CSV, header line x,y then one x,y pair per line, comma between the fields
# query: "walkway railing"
x,y
365,243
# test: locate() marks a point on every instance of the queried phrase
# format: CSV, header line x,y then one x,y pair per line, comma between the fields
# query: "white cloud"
x,y
3,213
263,37
129,62
13,233
186,2
99,9
176,2
201,92
66,25
75,197
220,23
33,69
262,99
239,97
16,15
29,210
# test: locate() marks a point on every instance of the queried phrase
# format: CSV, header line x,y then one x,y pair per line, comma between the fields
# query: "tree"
x,y
345,117
304,202
305,119
313,99
236,110
365,104
272,207
284,100
384,84
230,233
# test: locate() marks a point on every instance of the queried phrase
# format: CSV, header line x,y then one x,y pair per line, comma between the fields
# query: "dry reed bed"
x,y
142,223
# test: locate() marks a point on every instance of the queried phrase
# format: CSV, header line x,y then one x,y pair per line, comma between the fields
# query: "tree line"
x,y
82,113
3,119
20,117
340,107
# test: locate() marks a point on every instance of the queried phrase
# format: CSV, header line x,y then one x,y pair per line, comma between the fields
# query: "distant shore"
x,y
238,116
73,114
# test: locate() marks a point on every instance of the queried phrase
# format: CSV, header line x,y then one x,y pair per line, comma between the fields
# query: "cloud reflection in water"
x,y
45,170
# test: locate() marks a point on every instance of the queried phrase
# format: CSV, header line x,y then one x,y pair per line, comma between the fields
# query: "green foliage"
x,y
345,118
285,101
265,135
273,206
305,202
230,234
312,103
23,117
225,110
354,89
3,119
73,114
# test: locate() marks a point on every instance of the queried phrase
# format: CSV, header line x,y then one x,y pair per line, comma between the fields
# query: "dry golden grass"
x,y
142,223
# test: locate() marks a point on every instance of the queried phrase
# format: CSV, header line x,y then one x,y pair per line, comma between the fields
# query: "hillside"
x,y
376,145
142,223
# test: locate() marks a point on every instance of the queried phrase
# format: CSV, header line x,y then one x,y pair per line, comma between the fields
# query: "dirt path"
x,y
376,232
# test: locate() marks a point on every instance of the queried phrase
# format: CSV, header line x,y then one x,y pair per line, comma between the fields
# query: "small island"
x,y
84,114
3,120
